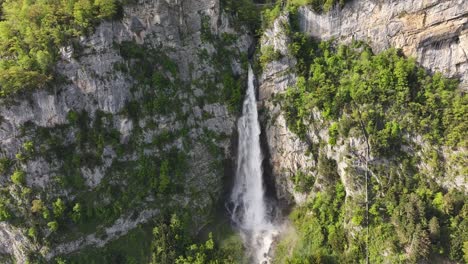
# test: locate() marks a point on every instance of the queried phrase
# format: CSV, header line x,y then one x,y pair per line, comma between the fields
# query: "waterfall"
x,y
250,212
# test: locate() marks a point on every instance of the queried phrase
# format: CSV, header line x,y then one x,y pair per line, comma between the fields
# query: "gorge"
x,y
135,131
251,213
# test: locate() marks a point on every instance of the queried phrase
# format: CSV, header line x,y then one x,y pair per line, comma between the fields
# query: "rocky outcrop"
x,y
13,242
285,149
93,84
434,32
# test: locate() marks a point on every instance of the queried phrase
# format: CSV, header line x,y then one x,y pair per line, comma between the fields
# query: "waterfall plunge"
x,y
251,213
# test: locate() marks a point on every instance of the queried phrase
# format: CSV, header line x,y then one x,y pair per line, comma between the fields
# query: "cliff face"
x,y
141,117
98,121
352,202
433,32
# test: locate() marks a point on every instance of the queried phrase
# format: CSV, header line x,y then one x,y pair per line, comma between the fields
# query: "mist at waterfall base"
x,y
250,211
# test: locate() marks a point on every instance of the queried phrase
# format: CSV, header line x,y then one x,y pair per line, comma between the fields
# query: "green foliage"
x,y
172,244
232,89
131,248
382,97
168,241
318,5
164,178
465,251
246,13
58,208
153,70
37,206
303,182
19,177
32,233
4,212
31,33
269,54
333,134
5,164
53,226
76,213
28,146
320,234
387,94
270,14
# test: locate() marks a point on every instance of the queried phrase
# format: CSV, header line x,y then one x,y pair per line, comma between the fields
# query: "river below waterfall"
x,y
251,212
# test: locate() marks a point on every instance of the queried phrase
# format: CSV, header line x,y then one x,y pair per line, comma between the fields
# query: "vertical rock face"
x,y
99,80
285,148
433,32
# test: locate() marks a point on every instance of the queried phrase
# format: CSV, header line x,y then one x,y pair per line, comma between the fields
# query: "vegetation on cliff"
x,y
389,101
141,174
385,98
31,33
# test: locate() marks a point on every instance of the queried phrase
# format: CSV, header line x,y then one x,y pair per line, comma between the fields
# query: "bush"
x,y
37,206
4,212
269,54
58,207
333,134
19,177
53,226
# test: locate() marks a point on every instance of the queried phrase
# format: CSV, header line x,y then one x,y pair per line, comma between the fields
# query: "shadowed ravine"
x,y
251,213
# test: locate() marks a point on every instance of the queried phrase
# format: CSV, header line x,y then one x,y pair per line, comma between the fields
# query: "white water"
x,y
250,212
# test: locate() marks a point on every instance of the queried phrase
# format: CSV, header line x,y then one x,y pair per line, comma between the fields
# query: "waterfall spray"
x,y
250,211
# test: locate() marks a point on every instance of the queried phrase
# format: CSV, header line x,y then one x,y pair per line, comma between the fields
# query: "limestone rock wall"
x,y
434,32
92,84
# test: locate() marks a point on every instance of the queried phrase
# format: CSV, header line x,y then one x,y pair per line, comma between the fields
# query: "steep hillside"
x,y
348,127
118,129
136,125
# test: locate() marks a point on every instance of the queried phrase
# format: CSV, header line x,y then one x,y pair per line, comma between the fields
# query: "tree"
x,y
465,251
168,241
37,206
28,146
18,177
32,232
45,213
83,13
434,229
53,226
164,179
333,134
44,60
5,164
4,212
106,8
76,214
58,207
420,245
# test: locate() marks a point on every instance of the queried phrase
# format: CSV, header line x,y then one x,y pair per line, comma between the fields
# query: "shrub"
x,y
58,207
333,134
269,54
53,226
4,212
18,177
37,206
